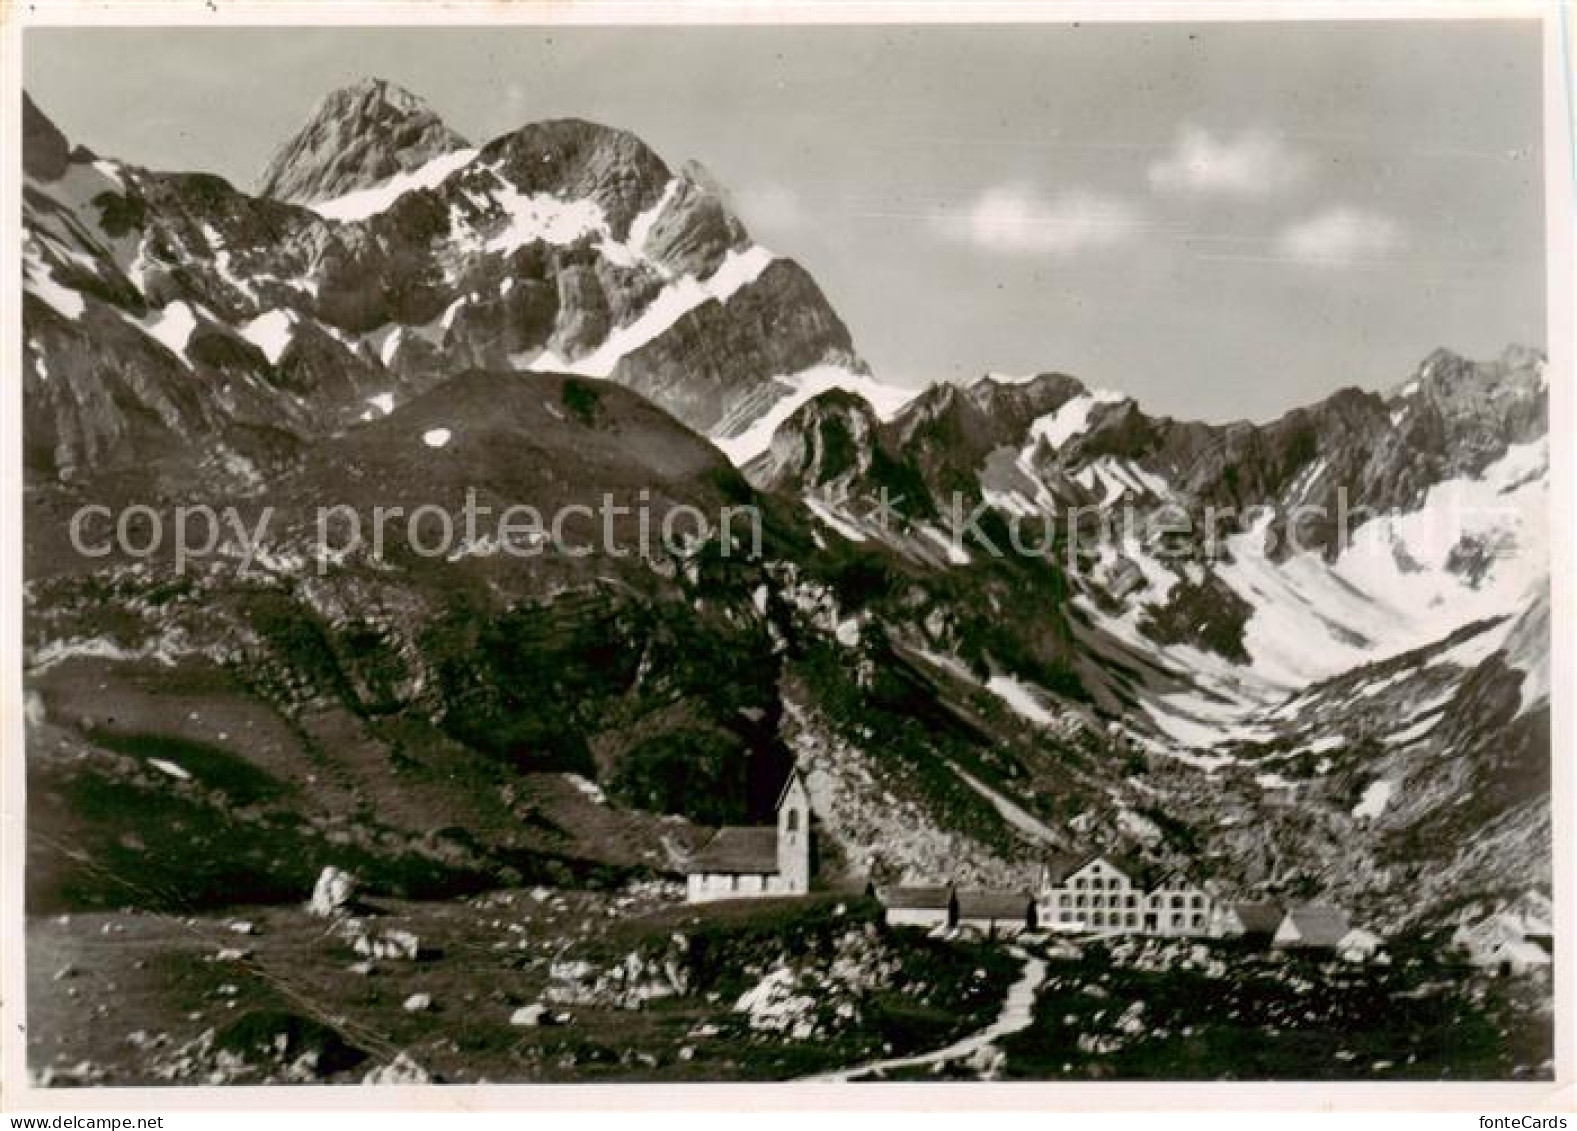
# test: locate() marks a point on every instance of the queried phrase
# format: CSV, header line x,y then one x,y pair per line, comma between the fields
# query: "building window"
x,y
1132,902
1079,883
1177,901
792,824
1199,920
1080,901
1099,919
1133,920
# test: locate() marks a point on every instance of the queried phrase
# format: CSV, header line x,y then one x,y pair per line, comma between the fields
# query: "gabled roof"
x,y
794,776
1318,924
738,850
1258,918
917,898
1522,950
1063,864
986,904
1158,878
1059,867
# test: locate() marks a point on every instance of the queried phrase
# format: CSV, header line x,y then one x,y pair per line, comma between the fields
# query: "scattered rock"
x,y
402,1071
276,1043
333,894
390,944
529,1016
775,1004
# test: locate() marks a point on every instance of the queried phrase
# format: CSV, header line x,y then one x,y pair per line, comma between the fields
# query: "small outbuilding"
x,y
996,912
1313,926
927,906
1251,921
1519,957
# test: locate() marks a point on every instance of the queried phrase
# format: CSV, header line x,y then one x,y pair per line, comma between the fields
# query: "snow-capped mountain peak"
x,y
357,137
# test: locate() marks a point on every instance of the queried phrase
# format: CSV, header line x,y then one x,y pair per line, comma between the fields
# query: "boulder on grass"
x,y
334,893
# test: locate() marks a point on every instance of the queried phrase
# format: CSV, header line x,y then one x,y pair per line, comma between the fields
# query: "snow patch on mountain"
x,y
1118,477
171,326
830,516
1020,698
38,279
951,546
1375,798
271,332
673,302
641,227
368,202
1416,732
1005,378
541,216
1473,550
755,436
224,262
1071,419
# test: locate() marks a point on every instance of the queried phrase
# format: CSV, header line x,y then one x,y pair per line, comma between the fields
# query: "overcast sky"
x,y
1222,220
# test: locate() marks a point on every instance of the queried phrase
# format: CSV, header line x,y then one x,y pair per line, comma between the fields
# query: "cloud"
x,y
1016,219
1253,163
1340,237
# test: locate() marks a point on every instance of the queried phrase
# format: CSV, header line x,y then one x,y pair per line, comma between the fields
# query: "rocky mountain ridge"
x,y
358,136
564,246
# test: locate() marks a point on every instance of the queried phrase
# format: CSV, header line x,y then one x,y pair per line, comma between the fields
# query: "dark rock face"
x,y
1206,613
696,229
949,433
579,160
357,136
721,352
828,446
45,150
